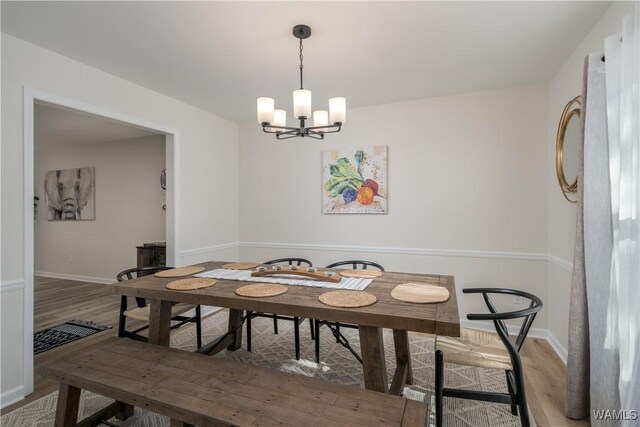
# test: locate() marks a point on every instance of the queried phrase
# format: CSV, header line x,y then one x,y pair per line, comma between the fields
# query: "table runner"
x,y
245,276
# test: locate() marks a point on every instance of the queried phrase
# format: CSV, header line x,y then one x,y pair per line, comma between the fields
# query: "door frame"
x,y
31,97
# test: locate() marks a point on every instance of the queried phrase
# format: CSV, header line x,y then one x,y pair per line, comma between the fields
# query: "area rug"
x,y
65,333
338,365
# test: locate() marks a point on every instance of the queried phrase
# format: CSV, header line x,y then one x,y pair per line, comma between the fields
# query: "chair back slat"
x,y
489,303
357,264
524,329
527,315
499,325
290,261
139,272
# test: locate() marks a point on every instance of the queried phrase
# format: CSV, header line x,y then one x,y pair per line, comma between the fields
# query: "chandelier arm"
x,y
291,132
282,136
316,135
279,128
333,126
334,131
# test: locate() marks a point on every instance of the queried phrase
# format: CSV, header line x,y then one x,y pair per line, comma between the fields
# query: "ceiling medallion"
x,y
275,121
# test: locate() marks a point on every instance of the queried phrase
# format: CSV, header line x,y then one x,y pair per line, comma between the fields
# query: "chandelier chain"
x,y
301,66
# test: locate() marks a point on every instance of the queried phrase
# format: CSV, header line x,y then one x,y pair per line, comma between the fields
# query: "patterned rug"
x,y
338,365
65,333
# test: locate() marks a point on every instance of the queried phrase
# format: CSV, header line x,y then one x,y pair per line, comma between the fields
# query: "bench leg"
x,y
67,409
235,319
374,365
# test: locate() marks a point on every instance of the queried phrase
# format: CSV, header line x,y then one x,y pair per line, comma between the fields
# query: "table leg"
x,y
402,374
160,322
403,354
235,321
373,361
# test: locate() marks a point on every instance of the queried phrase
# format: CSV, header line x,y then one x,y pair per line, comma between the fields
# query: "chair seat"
x,y
143,313
475,348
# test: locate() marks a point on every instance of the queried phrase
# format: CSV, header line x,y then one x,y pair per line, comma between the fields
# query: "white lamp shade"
x,y
279,118
302,103
265,110
320,118
338,110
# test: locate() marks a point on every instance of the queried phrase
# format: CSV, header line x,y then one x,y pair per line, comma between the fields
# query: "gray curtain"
x,y
598,240
588,361
577,391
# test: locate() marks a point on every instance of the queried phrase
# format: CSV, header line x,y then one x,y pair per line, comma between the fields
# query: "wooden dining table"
x,y
302,301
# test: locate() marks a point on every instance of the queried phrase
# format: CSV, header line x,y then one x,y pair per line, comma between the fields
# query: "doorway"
x,y
34,100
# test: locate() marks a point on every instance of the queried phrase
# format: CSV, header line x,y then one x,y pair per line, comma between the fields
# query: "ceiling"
x,y
59,126
221,56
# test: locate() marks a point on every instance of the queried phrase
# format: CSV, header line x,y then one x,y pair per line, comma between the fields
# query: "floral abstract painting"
x,y
355,181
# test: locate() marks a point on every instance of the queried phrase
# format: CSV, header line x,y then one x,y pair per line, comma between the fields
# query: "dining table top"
x,y
302,301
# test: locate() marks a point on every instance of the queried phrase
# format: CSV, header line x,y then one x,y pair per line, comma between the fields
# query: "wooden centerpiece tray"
x,y
311,273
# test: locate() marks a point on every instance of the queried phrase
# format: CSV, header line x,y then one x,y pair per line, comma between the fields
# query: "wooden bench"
x,y
195,389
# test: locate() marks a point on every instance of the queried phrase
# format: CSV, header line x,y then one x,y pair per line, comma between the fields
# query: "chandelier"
x,y
275,121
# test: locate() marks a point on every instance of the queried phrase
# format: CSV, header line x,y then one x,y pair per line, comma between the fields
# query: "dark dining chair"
x,y
296,320
483,350
142,310
335,326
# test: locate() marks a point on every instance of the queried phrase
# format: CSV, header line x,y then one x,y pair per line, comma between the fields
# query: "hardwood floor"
x,y
545,378
57,301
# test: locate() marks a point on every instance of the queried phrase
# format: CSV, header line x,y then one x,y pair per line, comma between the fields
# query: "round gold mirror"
x,y
568,148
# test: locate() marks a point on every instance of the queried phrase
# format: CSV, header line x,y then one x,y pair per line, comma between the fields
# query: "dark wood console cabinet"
x,y
152,254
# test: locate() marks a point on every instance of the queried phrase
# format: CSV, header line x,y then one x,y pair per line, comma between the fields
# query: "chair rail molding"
x,y
208,249
527,256
559,262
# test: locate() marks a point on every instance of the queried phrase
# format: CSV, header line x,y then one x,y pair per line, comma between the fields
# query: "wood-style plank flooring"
x,y
57,301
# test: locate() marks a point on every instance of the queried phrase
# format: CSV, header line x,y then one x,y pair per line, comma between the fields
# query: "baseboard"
x,y
12,396
11,285
75,277
544,334
560,350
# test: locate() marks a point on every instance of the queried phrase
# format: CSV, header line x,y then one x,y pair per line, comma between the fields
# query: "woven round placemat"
x,y
347,299
422,293
240,265
361,274
261,290
179,272
191,284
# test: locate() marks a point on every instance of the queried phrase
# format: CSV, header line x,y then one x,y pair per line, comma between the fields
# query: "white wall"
x,y
467,191
128,201
565,85
208,162
485,206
